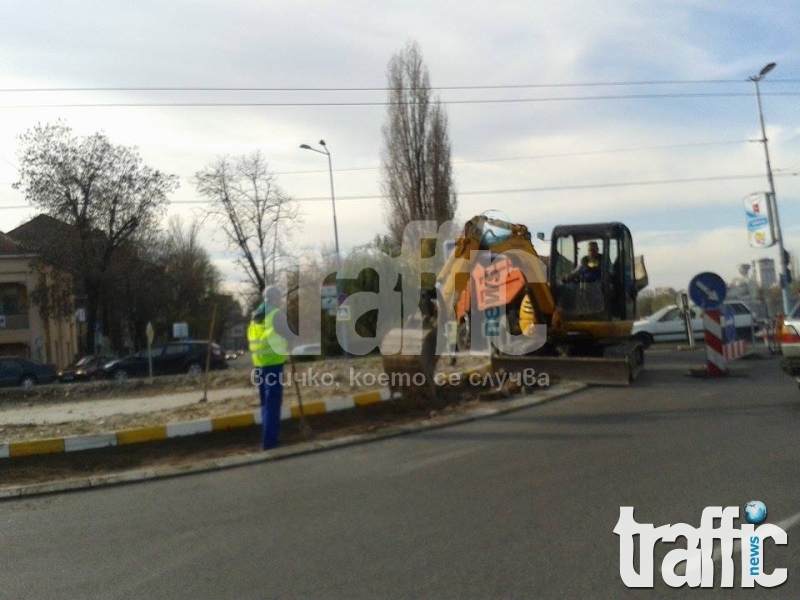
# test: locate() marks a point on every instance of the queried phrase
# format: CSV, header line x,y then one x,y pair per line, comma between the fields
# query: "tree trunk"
x,y
91,319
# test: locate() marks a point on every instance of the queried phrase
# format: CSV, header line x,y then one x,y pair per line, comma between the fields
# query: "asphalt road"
x,y
519,506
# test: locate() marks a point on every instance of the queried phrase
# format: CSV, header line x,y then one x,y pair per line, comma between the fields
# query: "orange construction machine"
x,y
570,318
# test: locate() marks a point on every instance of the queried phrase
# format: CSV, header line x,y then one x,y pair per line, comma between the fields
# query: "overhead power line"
x,y
555,188
548,155
386,103
520,158
5,160
514,86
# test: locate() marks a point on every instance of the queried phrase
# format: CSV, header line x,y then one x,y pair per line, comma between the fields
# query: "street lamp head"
x,y
306,147
322,142
766,69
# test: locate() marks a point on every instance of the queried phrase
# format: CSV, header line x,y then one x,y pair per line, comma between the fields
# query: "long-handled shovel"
x,y
305,428
208,354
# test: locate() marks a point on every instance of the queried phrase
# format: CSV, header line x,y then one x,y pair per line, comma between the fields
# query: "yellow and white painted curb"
x,y
499,407
173,430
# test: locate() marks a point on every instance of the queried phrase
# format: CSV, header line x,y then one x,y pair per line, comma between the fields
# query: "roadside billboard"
x,y
758,210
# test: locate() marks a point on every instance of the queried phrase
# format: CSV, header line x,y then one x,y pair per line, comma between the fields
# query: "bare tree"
x,y
417,174
254,213
102,190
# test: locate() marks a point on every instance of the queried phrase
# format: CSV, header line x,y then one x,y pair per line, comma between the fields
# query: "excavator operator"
x,y
589,269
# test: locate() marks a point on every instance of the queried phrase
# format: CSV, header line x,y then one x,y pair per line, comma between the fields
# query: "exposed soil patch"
x,y
187,450
312,381
337,373
190,449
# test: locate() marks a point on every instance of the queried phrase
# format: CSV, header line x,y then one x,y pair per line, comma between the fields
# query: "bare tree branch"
x,y
255,215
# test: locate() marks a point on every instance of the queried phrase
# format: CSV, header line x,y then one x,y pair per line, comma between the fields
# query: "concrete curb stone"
x,y
145,474
10,450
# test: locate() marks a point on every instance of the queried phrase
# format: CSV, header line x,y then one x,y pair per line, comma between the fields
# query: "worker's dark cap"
x,y
260,311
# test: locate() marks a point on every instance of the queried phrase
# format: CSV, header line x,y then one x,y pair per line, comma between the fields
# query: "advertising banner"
x,y
758,210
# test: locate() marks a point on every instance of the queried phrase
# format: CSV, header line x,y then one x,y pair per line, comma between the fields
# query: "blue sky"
x,y
681,228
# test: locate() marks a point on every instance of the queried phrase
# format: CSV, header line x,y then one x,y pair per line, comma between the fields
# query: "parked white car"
x,y
788,337
307,351
666,325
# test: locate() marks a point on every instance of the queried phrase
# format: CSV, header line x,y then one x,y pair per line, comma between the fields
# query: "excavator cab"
x,y
593,272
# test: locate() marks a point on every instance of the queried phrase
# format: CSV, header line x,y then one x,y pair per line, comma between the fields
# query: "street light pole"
x,y
327,153
784,257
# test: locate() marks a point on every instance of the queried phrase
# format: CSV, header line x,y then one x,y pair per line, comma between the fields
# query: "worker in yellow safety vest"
x,y
266,337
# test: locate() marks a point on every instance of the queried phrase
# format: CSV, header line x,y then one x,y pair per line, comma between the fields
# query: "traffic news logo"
x,y
699,555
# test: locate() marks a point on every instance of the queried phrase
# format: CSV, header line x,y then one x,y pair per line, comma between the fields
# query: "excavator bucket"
x,y
621,368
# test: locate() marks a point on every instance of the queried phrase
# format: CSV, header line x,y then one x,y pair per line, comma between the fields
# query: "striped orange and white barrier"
x,y
735,349
715,357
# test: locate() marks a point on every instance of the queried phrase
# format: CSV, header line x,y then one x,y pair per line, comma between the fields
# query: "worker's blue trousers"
x,y
270,391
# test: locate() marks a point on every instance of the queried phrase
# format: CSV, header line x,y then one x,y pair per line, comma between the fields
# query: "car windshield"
x,y
84,361
672,315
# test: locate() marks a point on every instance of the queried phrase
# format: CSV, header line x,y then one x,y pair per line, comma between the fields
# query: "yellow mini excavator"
x,y
570,318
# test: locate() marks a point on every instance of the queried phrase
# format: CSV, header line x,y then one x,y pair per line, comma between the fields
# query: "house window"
x,y
12,299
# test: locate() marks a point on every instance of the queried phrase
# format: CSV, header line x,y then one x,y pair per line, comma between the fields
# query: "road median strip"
x,y
499,407
180,429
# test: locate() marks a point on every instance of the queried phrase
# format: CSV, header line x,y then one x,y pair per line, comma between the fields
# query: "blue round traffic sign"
x,y
707,290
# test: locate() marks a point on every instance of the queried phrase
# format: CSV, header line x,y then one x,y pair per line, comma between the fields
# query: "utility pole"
x,y
784,256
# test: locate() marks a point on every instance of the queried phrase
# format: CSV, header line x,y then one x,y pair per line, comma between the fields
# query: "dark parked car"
x,y
88,368
21,371
168,359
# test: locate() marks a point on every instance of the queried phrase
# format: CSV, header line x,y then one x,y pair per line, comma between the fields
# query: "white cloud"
x,y
318,44
674,257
